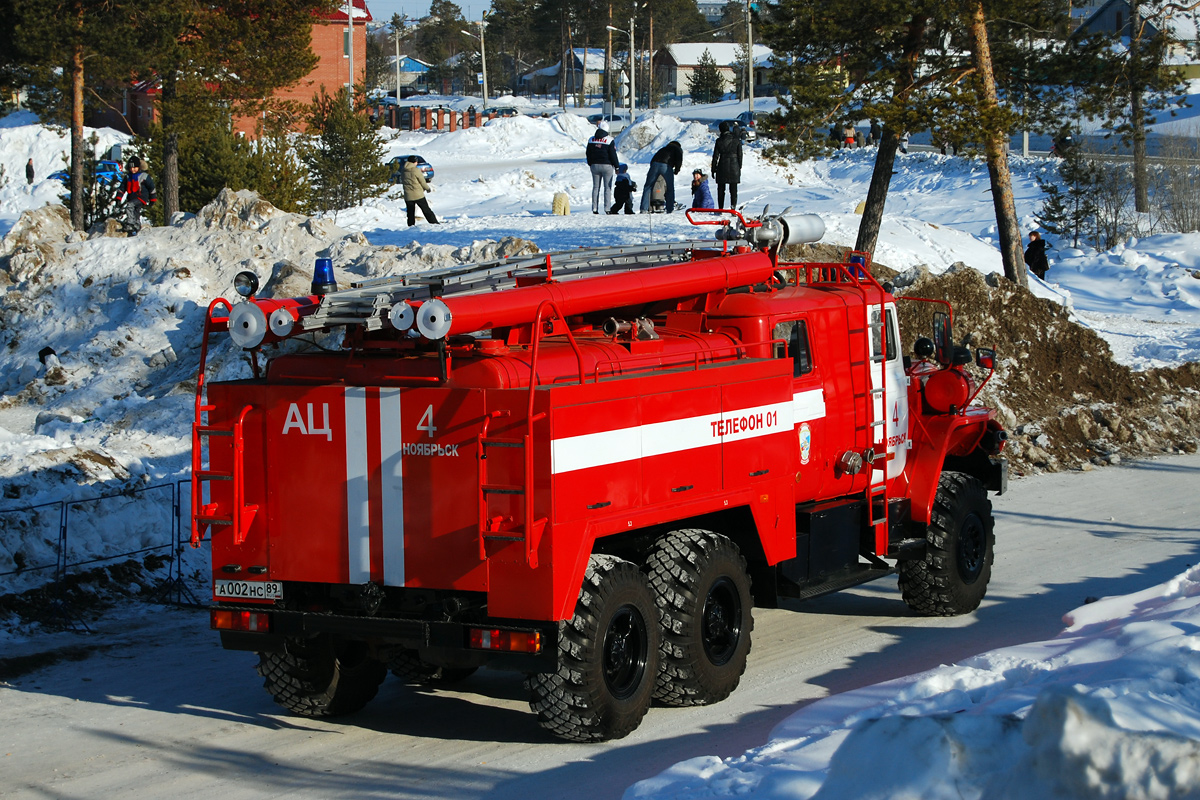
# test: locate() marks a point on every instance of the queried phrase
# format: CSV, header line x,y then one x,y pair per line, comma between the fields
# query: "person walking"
x,y
603,162
666,164
727,165
137,192
29,172
415,187
701,192
876,132
623,193
1035,255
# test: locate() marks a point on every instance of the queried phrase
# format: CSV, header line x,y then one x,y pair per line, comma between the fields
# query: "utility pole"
x,y
396,36
350,52
608,94
750,55
632,69
482,59
650,66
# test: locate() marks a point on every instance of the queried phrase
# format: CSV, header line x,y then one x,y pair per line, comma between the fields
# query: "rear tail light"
x,y
510,641
251,621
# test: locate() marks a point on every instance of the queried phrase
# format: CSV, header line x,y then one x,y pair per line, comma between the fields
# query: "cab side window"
x,y
795,333
888,334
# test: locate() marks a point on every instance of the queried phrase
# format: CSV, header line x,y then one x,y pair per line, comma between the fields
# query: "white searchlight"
x,y
402,316
281,322
247,325
433,319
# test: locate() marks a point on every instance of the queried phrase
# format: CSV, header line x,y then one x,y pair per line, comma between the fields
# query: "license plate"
x,y
248,590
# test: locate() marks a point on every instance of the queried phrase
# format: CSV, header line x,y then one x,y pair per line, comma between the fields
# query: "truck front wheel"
x,y
607,658
703,593
953,576
324,676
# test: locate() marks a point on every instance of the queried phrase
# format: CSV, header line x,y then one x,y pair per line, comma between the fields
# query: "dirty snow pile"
x,y
1108,709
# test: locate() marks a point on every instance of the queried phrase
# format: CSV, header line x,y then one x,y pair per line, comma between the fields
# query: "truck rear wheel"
x,y
324,676
703,594
608,658
408,666
953,576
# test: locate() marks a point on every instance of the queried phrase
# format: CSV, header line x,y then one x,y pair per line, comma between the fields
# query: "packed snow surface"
x,y
1108,709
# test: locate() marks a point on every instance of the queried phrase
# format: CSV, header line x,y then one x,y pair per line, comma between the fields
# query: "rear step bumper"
x,y
429,637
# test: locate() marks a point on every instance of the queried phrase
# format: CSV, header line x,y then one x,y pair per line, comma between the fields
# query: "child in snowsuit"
x,y
623,191
701,193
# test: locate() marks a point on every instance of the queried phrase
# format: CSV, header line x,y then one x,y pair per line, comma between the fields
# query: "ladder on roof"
x,y
368,302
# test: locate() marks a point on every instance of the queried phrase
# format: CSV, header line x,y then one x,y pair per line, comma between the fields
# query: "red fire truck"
x,y
584,466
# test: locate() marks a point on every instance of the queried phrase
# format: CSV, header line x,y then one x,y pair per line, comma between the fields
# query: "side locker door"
x,y
813,451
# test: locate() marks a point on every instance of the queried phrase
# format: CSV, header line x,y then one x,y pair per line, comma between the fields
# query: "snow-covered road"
x,y
157,709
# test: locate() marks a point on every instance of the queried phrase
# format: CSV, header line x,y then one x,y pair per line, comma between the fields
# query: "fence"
x,y
152,517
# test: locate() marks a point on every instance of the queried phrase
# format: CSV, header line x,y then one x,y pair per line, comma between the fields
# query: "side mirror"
x,y
985,357
923,347
943,338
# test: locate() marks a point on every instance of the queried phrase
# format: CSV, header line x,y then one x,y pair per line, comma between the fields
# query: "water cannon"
x,y
767,230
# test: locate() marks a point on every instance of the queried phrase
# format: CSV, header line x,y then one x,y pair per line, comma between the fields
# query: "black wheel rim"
x,y
972,549
626,643
721,621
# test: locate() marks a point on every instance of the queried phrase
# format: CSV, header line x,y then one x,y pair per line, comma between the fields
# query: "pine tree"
x,y
1070,208
69,47
706,84
343,154
239,53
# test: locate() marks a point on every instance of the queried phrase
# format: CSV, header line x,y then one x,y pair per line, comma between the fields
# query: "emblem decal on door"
x,y
805,435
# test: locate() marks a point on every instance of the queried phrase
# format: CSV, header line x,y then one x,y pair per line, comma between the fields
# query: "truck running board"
x,y
834,582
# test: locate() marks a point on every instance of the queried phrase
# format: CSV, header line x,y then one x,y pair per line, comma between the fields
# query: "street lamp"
x,y
750,6
632,68
482,58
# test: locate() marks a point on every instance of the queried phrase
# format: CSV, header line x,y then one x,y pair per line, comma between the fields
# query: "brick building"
x,y
332,70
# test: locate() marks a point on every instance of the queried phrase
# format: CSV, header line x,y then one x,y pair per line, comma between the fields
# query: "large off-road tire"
x,y
608,658
408,667
324,676
953,576
703,595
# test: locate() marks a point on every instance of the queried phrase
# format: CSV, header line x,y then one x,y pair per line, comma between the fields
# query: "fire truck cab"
x,y
586,466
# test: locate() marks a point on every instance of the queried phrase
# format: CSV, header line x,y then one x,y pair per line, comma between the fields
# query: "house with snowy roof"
x,y
586,66
1183,51
675,63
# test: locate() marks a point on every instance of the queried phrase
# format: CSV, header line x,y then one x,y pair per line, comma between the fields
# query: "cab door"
x,y
793,341
887,370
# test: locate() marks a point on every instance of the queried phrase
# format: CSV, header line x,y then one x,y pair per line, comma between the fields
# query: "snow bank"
x,y
1108,709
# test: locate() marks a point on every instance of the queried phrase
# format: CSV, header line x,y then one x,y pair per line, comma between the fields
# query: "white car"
x,y
616,122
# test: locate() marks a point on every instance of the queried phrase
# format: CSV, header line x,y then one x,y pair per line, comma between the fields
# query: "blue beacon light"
x,y
323,281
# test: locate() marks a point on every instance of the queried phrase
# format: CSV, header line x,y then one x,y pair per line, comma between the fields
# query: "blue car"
x,y
108,173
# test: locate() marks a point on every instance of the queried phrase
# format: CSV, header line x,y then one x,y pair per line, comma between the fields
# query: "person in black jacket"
x,y
1035,255
666,163
727,165
602,161
623,193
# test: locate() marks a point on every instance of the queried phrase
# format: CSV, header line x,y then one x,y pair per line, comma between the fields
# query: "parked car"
x,y
760,124
397,165
503,111
616,122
